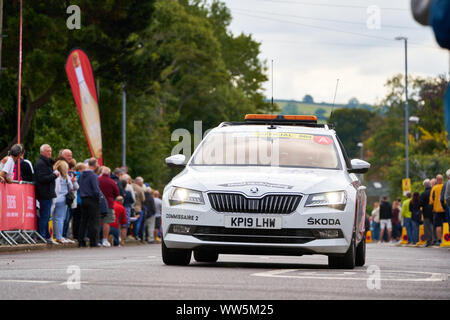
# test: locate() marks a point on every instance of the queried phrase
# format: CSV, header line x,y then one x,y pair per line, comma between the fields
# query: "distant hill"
x,y
321,110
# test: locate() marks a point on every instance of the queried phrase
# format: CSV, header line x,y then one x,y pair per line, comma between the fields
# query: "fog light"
x,y
181,229
327,234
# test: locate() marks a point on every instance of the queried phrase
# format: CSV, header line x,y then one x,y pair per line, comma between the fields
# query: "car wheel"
x,y
205,256
347,261
360,259
175,257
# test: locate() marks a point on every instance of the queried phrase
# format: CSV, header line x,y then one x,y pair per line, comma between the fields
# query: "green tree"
x,y
308,99
353,103
351,124
179,60
320,114
291,108
386,138
46,44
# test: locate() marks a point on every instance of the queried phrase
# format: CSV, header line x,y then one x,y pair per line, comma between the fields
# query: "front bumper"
x,y
298,234
322,246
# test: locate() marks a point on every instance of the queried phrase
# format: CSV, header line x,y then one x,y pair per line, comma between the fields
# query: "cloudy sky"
x,y
315,42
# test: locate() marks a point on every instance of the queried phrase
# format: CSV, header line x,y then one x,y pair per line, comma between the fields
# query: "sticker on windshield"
x,y
323,140
284,135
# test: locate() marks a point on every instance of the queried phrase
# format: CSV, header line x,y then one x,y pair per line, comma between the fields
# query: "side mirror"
x,y
359,166
176,160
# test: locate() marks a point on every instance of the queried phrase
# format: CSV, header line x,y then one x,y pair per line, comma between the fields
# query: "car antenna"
x,y
272,85
334,99
272,109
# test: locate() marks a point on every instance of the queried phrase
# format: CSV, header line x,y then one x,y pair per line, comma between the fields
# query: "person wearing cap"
x,y
7,173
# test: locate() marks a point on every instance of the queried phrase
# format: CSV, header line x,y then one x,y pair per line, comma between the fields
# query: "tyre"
x,y
360,259
206,256
175,257
347,261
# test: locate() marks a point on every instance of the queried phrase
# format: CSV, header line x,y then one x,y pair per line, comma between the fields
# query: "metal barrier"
x,y
18,219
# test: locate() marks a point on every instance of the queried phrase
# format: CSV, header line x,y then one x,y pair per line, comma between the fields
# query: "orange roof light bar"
x,y
261,117
280,117
301,118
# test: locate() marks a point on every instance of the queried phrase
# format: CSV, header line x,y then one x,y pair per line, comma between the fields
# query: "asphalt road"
x,y
137,272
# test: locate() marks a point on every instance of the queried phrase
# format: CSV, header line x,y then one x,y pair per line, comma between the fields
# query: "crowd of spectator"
x,y
86,203
431,208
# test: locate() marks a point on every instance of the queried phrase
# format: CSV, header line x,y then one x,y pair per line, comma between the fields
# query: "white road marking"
x,y
72,283
41,281
47,269
433,277
27,281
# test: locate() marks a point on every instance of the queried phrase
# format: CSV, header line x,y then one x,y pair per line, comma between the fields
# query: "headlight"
x,y
336,200
182,195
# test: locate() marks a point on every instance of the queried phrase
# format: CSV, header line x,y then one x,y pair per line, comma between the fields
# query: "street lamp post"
x,y
406,105
361,145
415,120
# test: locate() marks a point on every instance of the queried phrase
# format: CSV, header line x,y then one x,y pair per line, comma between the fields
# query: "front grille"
x,y
238,203
221,234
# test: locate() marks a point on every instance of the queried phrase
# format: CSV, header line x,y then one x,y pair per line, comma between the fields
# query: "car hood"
x,y
265,179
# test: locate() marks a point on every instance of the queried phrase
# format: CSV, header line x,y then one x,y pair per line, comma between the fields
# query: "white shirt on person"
x,y
376,215
9,168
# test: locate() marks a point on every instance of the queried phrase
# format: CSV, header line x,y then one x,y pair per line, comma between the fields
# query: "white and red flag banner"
x,y
81,78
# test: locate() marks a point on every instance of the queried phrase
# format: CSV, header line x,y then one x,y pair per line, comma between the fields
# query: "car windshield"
x,y
267,148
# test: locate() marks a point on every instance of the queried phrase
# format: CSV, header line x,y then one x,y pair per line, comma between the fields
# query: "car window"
x,y
283,149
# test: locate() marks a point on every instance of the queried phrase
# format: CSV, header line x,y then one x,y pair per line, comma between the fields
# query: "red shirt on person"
x,y
121,215
109,189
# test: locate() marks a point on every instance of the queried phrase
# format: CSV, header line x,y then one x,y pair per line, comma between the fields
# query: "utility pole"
x,y
124,126
406,109
406,106
1,34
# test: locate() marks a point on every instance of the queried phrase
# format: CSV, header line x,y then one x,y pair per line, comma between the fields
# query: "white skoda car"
x,y
275,185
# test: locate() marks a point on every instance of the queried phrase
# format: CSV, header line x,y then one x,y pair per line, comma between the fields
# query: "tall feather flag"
x,y
81,79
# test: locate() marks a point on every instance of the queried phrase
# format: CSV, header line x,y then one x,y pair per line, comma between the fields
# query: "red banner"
x,y
17,207
29,208
81,79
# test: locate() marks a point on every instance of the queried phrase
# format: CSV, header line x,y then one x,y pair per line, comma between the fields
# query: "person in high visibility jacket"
x,y
406,214
438,210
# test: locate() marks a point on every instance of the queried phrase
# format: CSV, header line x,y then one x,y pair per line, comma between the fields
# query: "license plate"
x,y
253,222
